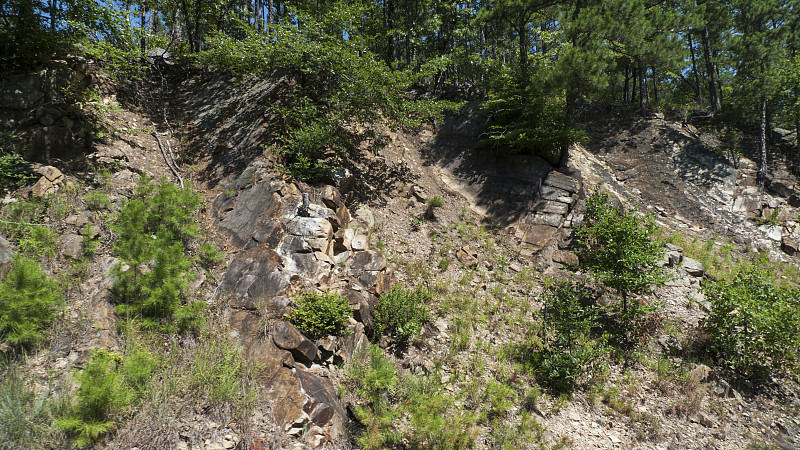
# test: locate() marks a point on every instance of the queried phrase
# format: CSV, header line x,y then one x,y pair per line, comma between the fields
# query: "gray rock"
x,y
790,245
551,207
310,227
468,256
693,267
287,337
561,181
365,217
6,257
368,260
71,246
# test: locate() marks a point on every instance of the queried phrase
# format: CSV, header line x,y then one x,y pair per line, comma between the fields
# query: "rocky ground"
x,y
502,230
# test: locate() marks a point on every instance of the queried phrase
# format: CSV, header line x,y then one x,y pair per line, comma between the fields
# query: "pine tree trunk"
x,y
716,104
762,168
655,87
694,69
642,91
625,87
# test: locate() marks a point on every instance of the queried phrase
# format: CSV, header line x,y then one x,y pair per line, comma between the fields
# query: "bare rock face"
x,y
553,207
287,337
286,238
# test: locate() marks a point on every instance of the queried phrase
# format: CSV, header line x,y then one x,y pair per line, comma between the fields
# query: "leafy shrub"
x,y
435,202
209,255
38,241
376,380
320,314
25,418
14,171
154,229
616,246
525,120
401,312
754,326
28,303
565,351
97,201
102,395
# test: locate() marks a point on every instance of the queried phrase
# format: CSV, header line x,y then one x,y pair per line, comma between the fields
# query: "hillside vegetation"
x,y
501,224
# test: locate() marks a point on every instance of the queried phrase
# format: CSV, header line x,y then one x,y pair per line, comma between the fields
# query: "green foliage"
x,y
435,202
565,351
616,246
433,414
14,171
338,84
753,325
402,312
376,380
102,395
25,417
38,241
29,302
97,201
320,314
209,255
154,229
220,372
526,121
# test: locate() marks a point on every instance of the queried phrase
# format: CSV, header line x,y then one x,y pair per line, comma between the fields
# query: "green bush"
x,y
219,372
29,302
154,229
14,171
401,312
320,313
753,326
616,246
435,202
565,350
38,241
102,395
25,417
97,201
376,381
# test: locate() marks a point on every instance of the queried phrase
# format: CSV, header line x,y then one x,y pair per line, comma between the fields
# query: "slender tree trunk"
x,y
655,87
625,87
762,168
716,104
642,90
694,69
634,79
522,30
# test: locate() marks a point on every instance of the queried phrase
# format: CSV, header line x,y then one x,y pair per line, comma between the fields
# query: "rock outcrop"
x,y
287,238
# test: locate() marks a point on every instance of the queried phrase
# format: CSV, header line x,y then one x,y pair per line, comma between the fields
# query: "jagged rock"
x,y
562,181
341,178
693,267
773,232
48,183
566,258
790,245
255,273
6,257
419,193
672,256
535,237
555,194
363,305
342,240
249,211
287,337
468,256
368,260
71,246
360,242
551,207
699,373
376,282
365,217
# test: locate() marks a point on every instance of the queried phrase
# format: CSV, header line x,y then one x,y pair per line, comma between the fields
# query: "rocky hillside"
x,y
482,235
